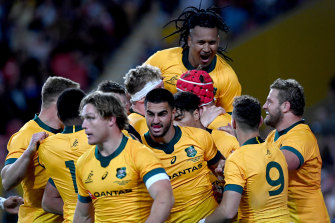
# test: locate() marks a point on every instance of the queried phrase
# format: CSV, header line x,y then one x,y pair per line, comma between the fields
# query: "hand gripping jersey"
x,y
305,199
259,172
117,184
138,122
226,144
34,182
173,63
185,161
59,154
219,121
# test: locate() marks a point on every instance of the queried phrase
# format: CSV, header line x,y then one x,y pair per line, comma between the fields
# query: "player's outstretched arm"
x,y
52,201
227,209
84,213
11,204
13,174
161,192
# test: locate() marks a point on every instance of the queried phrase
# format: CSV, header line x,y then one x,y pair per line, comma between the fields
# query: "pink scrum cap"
x,y
199,83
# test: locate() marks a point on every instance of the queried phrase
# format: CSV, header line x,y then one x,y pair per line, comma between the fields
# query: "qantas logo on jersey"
x,y
186,171
111,193
190,151
75,143
172,80
89,178
121,172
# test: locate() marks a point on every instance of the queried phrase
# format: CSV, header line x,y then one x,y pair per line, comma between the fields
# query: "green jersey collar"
x,y
168,148
45,126
255,140
283,132
189,66
105,160
72,129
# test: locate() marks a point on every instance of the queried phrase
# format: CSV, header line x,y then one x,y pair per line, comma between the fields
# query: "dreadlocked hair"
x,y
191,17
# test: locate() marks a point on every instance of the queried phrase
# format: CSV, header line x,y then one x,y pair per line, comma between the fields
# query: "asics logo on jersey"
x,y
89,180
172,80
104,176
173,160
75,143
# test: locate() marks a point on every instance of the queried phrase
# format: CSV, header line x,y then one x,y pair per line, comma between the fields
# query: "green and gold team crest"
x,y
190,151
121,172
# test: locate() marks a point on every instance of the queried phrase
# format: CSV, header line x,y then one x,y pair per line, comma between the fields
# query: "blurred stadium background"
x,y
92,40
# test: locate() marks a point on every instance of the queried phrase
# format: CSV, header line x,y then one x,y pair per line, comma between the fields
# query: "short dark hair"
x,y
192,17
53,87
186,101
159,95
290,90
247,112
108,86
107,106
68,104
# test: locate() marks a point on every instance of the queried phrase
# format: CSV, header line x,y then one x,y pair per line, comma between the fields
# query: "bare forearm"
x,y
13,174
160,209
218,216
82,219
54,205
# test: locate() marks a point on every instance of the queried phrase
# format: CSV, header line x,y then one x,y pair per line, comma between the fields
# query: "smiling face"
x,y
203,44
96,127
159,119
272,108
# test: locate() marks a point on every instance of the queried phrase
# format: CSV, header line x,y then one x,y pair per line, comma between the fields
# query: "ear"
x,y
233,123
196,114
189,40
173,112
111,121
286,106
261,122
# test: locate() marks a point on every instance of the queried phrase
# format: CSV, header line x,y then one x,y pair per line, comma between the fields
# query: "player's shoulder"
x,y
26,131
86,156
193,132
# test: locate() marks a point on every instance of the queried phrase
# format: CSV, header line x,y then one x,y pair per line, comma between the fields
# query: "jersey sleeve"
x,y
211,153
148,165
228,88
83,195
17,144
235,175
155,60
299,147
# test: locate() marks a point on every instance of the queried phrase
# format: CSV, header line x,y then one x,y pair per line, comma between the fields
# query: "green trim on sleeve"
x,y
153,172
296,152
10,161
215,159
83,199
234,187
51,182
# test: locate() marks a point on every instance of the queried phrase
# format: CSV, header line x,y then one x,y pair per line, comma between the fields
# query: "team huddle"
x,y
176,143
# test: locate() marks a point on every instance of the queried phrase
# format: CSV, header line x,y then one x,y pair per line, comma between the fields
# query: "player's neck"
x,y
243,136
139,108
167,137
49,117
287,120
109,146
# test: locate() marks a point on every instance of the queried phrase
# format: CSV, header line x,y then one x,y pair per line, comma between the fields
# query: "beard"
x,y
274,118
165,130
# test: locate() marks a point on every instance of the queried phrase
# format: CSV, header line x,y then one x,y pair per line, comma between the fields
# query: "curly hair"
x,y
192,17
